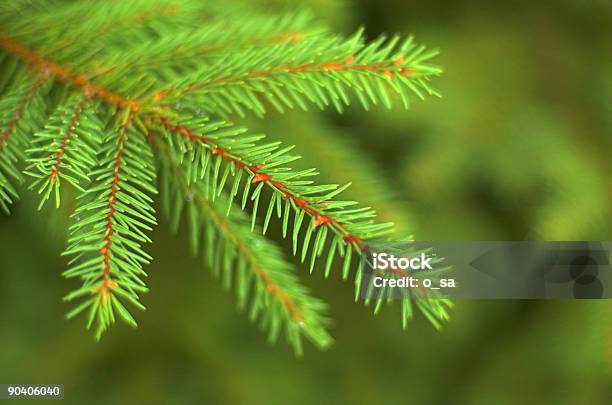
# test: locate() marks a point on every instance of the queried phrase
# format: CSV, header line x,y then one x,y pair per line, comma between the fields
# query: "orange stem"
x,y
388,69
19,113
94,91
66,140
108,283
259,176
46,67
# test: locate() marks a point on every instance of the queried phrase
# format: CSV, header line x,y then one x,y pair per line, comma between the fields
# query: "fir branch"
x,y
19,112
249,258
106,238
216,158
65,149
12,139
322,71
215,143
204,44
65,74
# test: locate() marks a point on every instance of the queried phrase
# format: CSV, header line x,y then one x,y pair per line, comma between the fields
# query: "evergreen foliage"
x,y
103,98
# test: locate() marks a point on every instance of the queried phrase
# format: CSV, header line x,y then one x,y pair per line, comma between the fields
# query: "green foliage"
x,y
225,152
94,102
321,71
110,225
205,43
65,149
20,113
243,259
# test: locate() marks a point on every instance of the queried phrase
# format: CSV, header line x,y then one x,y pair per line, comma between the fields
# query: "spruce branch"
x,y
65,149
204,44
13,108
245,259
97,140
110,227
213,144
321,70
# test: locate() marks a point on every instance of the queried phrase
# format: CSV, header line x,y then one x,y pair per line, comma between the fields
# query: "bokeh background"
x,y
517,148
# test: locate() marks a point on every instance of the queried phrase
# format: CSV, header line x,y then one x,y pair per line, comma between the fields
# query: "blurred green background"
x,y
518,148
